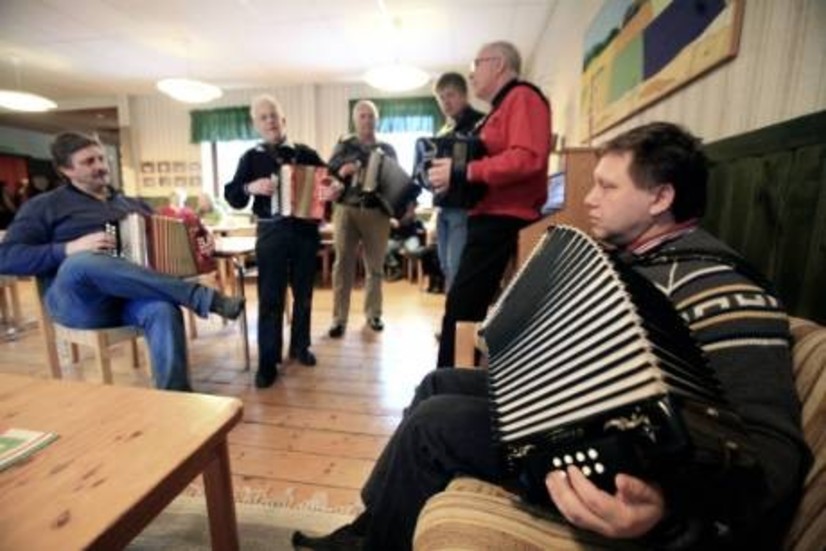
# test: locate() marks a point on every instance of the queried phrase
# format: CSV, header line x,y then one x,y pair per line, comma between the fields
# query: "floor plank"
x,y
311,439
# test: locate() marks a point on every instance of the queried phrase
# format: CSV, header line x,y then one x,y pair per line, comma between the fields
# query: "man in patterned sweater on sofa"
x,y
648,192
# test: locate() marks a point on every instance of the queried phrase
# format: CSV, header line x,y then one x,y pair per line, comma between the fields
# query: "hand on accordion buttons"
x,y
348,169
94,242
633,511
261,186
439,174
331,190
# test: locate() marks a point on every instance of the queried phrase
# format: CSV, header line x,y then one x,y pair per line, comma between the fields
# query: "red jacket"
x,y
517,138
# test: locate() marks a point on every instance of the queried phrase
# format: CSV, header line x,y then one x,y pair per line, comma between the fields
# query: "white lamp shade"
x,y
24,101
396,77
189,91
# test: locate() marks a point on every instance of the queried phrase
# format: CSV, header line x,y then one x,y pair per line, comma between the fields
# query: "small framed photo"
x,y
165,181
179,166
163,167
147,167
180,181
195,181
194,167
149,181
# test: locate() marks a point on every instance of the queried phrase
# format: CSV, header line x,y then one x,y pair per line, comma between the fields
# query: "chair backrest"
x,y
808,530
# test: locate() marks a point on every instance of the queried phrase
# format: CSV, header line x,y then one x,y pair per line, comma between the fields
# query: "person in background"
x,y
451,228
649,191
511,178
198,233
358,217
59,237
209,210
407,236
8,208
286,245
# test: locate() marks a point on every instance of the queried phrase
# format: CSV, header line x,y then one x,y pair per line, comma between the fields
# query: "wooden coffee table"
x,y
123,454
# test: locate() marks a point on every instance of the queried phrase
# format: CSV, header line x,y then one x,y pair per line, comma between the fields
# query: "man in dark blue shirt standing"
x,y
60,238
286,245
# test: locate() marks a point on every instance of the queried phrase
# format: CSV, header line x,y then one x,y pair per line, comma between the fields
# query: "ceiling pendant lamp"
x,y
396,77
17,100
25,101
188,90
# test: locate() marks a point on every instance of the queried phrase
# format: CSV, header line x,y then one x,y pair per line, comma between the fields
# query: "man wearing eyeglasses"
x,y
517,139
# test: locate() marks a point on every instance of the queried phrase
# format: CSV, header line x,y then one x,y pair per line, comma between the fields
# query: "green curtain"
x,y
221,125
420,114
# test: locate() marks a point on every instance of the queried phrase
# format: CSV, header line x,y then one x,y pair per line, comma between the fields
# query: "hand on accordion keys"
x,y
635,508
261,186
439,174
95,242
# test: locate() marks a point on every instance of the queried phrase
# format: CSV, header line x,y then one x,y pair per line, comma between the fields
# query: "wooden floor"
x,y
311,439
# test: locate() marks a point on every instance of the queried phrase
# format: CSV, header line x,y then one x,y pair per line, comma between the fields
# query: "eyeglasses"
x,y
475,63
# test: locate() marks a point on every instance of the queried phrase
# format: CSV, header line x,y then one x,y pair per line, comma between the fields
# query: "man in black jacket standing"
x,y
451,228
286,246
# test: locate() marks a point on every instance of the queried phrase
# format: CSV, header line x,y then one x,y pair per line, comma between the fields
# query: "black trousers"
x,y
285,252
491,243
445,432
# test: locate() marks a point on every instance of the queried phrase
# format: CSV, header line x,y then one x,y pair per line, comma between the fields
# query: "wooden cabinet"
x,y
578,165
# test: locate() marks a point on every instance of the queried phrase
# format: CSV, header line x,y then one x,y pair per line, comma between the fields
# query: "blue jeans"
x,y
93,291
451,232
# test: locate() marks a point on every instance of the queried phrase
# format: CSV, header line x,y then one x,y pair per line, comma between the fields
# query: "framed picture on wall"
x,y
163,167
149,181
147,167
194,167
165,181
636,53
180,181
179,166
195,181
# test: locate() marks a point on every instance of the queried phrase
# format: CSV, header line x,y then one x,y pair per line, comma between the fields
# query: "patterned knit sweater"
x,y
744,332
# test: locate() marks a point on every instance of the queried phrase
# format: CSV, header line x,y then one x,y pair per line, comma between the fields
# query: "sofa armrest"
x,y
472,514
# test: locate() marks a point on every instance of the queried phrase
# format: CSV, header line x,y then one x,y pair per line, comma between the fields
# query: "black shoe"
x,y
265,380
375,324
226,307
349,537
336,331
305,357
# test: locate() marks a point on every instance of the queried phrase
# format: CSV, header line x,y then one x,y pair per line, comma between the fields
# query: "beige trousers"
x,y
371,227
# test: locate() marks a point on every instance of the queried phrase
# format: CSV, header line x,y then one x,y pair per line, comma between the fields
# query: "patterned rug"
x,y
183,526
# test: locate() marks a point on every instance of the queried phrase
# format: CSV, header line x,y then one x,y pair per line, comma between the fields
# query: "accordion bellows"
x,y
165,244
591,365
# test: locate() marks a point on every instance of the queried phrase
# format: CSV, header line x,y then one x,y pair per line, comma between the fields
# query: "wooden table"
x,y
123,454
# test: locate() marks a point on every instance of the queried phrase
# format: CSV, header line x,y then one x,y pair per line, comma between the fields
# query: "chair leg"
x,y
136,357
102,359
193,328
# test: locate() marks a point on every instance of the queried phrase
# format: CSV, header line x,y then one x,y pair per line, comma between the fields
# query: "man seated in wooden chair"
x,y
59,237
649,191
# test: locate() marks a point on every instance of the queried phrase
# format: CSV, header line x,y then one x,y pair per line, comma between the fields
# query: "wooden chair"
x,y
10,302
99,340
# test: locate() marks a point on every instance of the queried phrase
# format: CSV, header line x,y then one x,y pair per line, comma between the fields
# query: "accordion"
x,y
461,150
299,191
167,245
591,365
383,178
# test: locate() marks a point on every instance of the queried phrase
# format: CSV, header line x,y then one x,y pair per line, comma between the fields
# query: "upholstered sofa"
x,y
473,515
